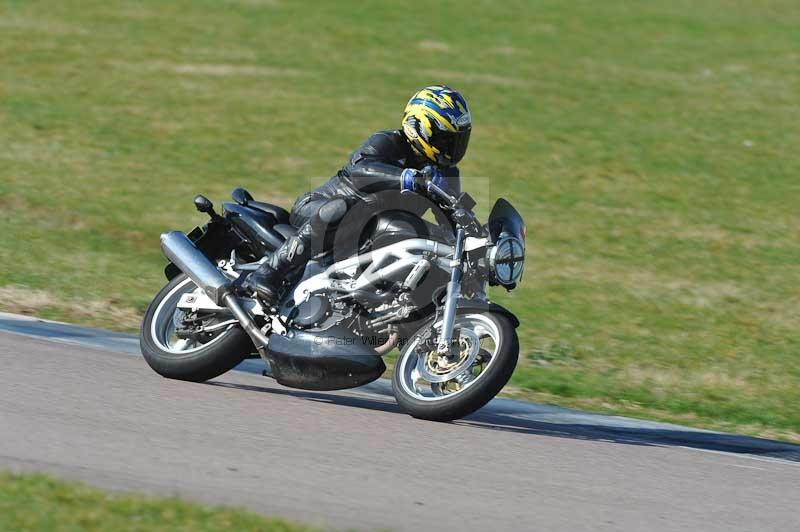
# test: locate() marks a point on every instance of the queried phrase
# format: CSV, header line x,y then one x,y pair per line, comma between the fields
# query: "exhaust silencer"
x,y
191,261
183,253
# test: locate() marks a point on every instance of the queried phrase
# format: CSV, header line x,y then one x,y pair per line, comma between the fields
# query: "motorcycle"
x,y
406,283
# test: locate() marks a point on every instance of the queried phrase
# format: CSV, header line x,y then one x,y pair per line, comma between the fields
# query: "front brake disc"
x,y
432,369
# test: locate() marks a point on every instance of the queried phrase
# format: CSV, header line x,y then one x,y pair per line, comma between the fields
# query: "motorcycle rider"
x,y
434,136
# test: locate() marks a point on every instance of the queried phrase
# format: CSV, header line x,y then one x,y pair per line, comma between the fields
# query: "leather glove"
x,y
435,175
413,180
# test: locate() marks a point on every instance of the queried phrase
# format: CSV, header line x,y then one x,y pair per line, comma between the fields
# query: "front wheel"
x,y
438,387
190,346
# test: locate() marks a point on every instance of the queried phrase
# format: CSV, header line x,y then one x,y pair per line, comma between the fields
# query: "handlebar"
x,y
458,209
437,193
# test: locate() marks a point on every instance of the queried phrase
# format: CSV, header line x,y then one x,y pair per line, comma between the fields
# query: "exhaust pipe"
x,y
191,261
183,254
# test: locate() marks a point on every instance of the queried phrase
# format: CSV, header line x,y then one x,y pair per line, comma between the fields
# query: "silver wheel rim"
x,y
413,381
167,315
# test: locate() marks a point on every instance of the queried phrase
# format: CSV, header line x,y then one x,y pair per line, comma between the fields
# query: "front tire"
x,y
182,360
465,392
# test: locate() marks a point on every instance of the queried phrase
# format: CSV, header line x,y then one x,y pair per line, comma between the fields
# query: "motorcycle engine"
x,y
313,312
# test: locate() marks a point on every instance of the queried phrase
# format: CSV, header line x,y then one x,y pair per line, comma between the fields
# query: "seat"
x,y
244,198
281,215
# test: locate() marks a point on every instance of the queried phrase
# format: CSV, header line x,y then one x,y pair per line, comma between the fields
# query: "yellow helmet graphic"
x,y
437,123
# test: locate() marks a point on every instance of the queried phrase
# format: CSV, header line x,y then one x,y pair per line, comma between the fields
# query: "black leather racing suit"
x,y
374,167
370,176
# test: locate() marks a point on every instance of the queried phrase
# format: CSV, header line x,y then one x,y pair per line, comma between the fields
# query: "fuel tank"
x,y
333,359
394,226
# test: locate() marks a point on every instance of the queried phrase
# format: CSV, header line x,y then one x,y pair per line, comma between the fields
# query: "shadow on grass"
x,y
527,418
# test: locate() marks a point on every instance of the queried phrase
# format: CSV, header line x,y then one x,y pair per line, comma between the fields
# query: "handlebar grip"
x,y
437,193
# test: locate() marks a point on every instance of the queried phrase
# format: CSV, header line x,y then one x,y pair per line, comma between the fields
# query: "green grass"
x,y
39,503
651,146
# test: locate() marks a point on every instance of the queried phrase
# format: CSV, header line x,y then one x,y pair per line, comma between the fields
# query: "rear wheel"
x,y
431,386
191,347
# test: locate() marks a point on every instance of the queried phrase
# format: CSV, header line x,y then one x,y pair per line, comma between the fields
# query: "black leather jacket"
x,y
375,167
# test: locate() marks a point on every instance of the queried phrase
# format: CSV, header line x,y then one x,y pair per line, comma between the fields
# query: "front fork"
x,y
453,292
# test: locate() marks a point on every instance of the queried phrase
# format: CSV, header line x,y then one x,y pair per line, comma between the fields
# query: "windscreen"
x,y
505,219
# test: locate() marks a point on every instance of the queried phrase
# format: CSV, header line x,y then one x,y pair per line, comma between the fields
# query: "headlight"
x,y
506,259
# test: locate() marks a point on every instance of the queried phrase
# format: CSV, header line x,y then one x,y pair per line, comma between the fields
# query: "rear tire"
x,y
476,394
198,364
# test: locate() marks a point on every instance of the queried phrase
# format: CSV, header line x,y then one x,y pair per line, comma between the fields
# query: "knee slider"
x,y
333,211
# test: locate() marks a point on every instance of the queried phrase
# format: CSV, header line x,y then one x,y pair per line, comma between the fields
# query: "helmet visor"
x,y
452,146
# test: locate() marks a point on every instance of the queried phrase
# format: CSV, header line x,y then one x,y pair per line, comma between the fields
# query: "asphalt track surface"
x,y
76,406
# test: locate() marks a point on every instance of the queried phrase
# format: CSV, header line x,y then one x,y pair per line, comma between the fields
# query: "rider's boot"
x,y
295,251
266,280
